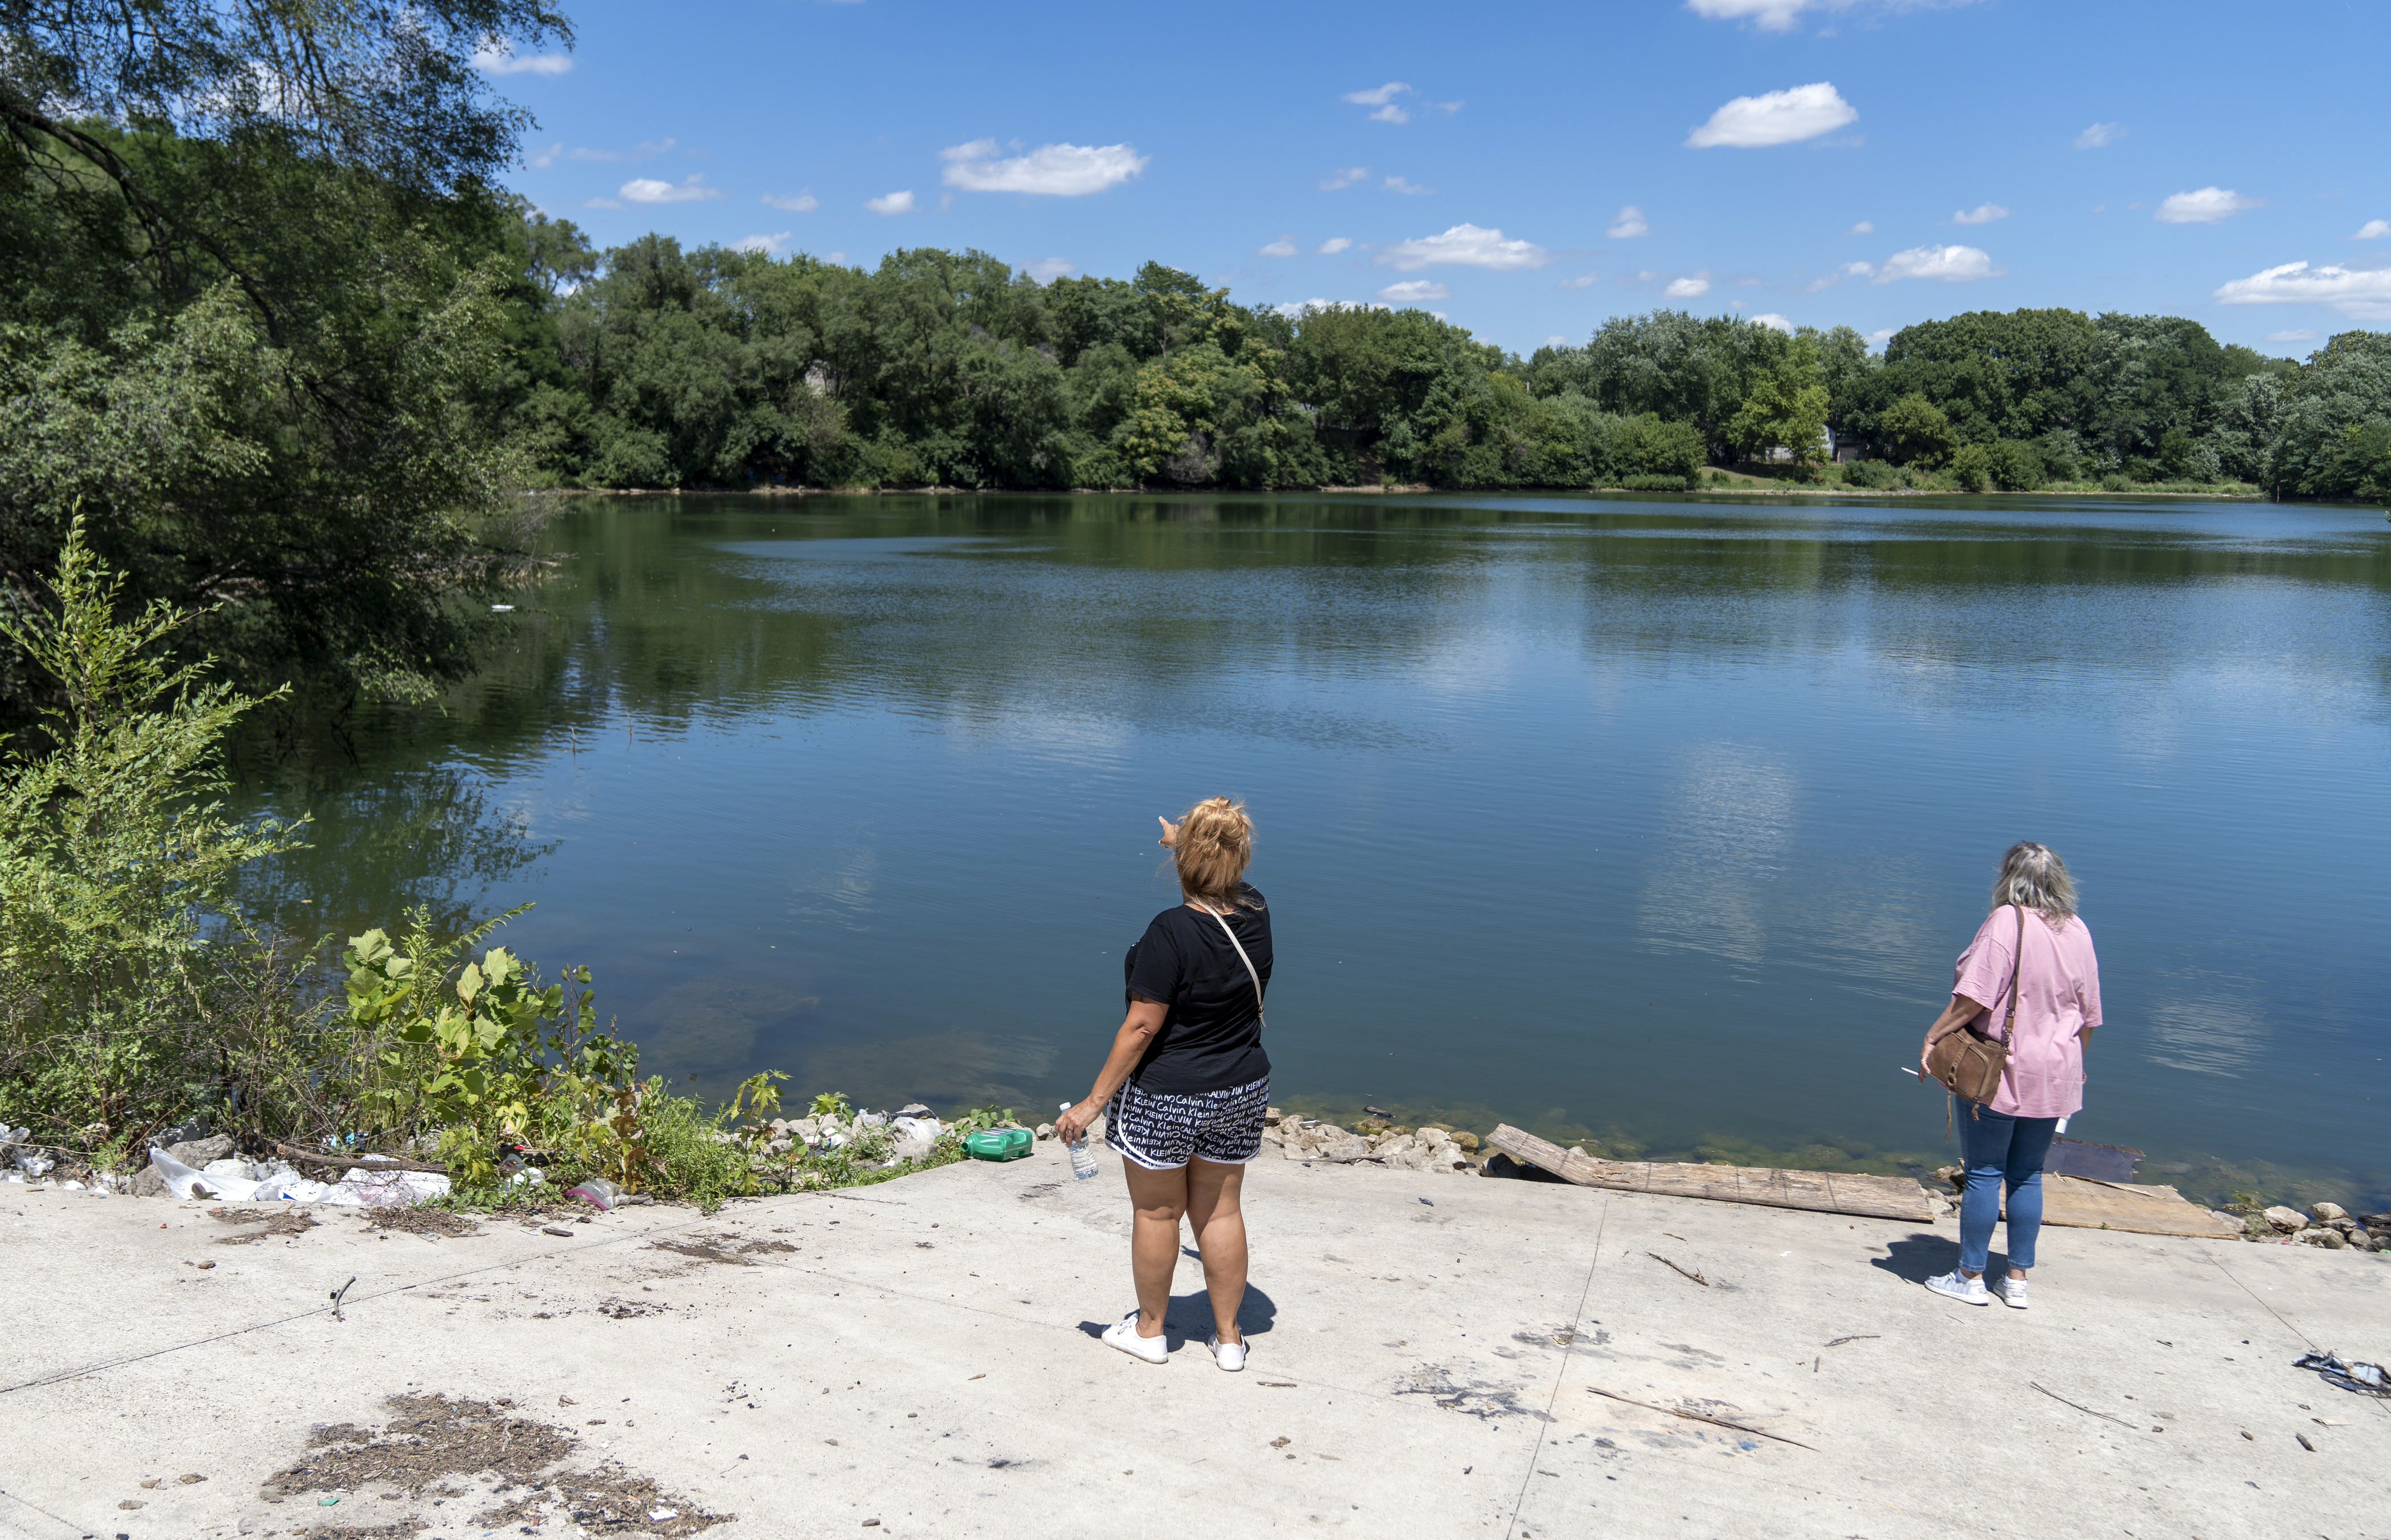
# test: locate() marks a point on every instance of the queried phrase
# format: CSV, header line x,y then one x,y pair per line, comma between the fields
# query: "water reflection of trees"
x,y
425,834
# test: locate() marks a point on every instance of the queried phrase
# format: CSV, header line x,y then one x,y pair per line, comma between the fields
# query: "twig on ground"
x,y
1701,1417
1864,1337
2064,1401
372,1158
1686,1271
336,1299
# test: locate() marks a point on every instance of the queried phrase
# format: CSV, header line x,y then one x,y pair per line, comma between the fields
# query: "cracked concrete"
x,y
1426,1354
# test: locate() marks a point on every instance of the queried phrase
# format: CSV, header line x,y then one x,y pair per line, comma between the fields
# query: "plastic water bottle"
x,y
1083,1159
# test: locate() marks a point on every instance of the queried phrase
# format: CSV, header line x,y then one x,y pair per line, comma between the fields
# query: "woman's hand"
x,y
1955,1016
1072,1126
1170,839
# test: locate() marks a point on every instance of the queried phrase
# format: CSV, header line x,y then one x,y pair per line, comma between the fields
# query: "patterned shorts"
x,y
1161,1129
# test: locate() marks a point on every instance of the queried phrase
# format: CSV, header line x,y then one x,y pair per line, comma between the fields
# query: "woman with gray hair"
x,y
2032,963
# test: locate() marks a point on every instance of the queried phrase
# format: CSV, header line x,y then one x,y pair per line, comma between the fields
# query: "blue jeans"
x,y
1998,1149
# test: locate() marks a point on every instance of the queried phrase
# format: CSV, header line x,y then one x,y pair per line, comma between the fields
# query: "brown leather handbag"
x,y
1969,1064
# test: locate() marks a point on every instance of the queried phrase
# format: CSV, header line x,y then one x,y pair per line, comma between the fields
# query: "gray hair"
x,y
2034,877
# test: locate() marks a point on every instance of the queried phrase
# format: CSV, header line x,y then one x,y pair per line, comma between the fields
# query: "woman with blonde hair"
x,y
1186,1083
2032,973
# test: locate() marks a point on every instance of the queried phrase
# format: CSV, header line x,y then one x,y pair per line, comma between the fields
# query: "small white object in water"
x,y
502,609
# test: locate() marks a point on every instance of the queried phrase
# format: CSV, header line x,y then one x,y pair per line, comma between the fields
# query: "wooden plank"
x,y
1819,1192
2144,1211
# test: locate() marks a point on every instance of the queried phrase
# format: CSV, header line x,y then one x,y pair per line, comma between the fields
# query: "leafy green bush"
x,y
1874,474
1971,466
1657,483
2014,466
119,952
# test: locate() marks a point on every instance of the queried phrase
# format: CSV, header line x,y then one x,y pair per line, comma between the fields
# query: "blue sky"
x,y
1524,170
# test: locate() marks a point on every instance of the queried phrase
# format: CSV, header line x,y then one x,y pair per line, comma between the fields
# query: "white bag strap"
x,y
1242,958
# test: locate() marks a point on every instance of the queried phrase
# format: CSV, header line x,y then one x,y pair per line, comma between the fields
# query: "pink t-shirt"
x,y
2058,997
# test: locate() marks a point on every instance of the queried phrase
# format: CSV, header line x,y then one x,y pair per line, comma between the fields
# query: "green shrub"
x,y
1657,483
2015,466
1874,474
1971,466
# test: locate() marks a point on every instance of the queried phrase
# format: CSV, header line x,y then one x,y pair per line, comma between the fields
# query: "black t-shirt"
x,y
1213,1037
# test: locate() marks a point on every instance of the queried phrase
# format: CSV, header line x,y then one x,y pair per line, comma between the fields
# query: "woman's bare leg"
x,y
1160,1198
1219,1224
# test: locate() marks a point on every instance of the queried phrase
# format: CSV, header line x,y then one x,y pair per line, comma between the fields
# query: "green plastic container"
x,y
998,1144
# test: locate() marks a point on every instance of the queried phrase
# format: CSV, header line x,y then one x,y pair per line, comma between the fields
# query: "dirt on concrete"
x,y
437,1451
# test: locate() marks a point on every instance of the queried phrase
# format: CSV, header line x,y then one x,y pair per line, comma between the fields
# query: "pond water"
x,y
1658,822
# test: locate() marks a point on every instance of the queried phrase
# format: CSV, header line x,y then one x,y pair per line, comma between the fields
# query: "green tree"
x,y
1915,431
1784,404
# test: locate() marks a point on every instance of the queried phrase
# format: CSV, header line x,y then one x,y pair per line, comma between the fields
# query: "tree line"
x,y
719,368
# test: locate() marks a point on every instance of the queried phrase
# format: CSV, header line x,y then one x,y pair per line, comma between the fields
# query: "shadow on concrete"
x,y
1919,1257
1188,1317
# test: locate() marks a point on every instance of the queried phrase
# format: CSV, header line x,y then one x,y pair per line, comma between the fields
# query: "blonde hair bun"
x,y
1216,845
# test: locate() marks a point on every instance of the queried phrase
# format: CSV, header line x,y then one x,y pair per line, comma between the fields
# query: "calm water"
x,y
1654,821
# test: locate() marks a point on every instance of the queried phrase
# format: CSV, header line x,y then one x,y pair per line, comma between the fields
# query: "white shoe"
x,y
1229,1356
1123,1335
2012,1292
1958,1286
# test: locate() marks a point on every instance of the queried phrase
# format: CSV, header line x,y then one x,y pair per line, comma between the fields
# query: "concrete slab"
x,y
922,1354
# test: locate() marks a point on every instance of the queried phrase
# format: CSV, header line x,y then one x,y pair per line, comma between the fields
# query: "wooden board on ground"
x,y
1822,1192
2145,1210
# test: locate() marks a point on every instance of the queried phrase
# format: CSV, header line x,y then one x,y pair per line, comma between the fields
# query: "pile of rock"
x,y
911,1132
2328,1224
1430,1147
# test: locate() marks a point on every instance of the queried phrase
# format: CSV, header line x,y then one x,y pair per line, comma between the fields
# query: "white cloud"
x,y
2374,230
1848,270
1775,118
1583,280
1047,269
1335,244
1777,16
646,149
647,189
1949,264
2300,334
2362,294
2101,136
1557,340
1344,176
2207,206
772,244
1882,334
1465,246
1388,109
1060,171
1403,184
502,61
1283,246
1630,222
1983,214
895,202
1863,228
1414,293
1779,322
804,202
1691,288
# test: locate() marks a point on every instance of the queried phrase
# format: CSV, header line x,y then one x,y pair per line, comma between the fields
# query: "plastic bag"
x,y
183,1181
597,1192
2351,1375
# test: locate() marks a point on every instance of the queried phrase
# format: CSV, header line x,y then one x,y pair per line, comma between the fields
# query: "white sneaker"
x,y
1229,1356
1958,1286
1123,1335
2012,1292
